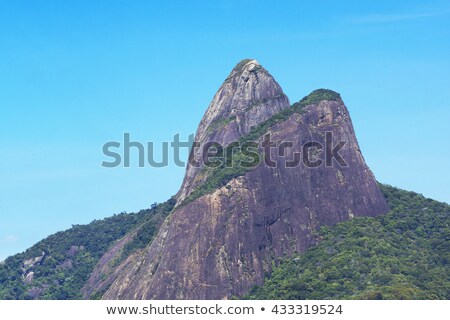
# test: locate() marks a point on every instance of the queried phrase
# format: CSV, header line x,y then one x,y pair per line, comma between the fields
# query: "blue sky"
x,y
76,74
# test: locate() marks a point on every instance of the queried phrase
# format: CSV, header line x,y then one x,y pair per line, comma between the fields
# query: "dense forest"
x,y
58,266
404,254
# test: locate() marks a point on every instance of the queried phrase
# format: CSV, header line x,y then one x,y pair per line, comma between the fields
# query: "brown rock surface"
x,y
247,97
222,243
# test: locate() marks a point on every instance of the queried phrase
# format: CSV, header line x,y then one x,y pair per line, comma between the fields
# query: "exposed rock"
x,y
105,271
30,263
29,278
74,250
222,243
248,96
35,292
67,264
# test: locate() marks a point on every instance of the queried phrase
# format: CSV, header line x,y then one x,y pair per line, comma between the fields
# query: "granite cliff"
x,y
230,225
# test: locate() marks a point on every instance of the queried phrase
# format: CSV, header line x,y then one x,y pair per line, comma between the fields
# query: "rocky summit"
x,y
249,96
230,225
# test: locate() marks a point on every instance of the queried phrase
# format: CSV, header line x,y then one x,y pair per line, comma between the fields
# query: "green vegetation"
x,y
220,176
404,254
148,230
216,125
241,64
64,261
319,95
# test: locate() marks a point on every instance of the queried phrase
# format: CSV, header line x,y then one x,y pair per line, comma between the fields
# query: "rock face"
x,y
248,96
105,271
221,243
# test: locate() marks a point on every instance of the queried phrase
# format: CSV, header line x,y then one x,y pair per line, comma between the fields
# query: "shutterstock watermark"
x,y
246,154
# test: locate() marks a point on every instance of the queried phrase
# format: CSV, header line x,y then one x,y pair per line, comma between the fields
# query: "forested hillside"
x,y
404,254
58,266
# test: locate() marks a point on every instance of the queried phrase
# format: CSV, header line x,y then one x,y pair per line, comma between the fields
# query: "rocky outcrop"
x,y
223,242
28,266
29,278
249,96
31,263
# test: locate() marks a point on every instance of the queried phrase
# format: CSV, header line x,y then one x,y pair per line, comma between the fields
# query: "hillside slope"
x,y
58,266
404,254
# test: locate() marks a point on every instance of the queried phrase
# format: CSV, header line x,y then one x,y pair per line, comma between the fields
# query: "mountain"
x,y
277,202
351,260
248,97
232,221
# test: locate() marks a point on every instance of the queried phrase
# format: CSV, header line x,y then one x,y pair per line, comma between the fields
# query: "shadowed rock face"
x,y
222,243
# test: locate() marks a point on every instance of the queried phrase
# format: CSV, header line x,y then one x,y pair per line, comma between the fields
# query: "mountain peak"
x,y
321,94
247,97
245,63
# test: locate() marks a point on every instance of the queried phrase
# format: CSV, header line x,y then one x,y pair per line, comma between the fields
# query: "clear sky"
x,y
76,74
